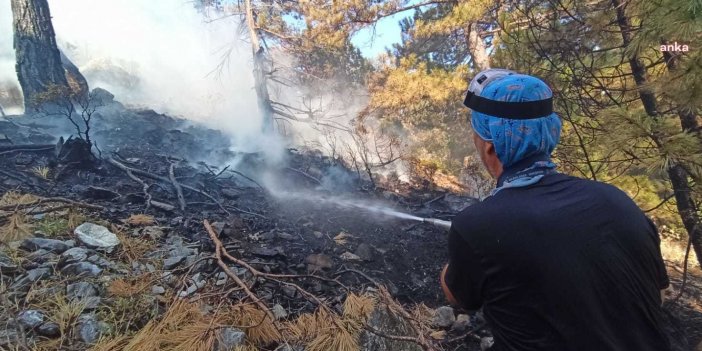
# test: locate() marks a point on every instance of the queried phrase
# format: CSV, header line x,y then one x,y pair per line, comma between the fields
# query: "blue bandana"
x,y
523,146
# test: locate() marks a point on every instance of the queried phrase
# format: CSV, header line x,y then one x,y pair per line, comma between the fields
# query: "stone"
x,y
461,324
7,266
285,236
96,237
230,193
365,252
81,268
229,338
279,311
40,257
173,262
98,193
32,276
49,329
72,255
288,347
50,245
30,319
486,343
157,290
91,302
267,252
383,320
347,256
316,262
89,328
443,317
289,291
81,290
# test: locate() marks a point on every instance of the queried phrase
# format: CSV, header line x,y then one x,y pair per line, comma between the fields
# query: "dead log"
x,y
176,186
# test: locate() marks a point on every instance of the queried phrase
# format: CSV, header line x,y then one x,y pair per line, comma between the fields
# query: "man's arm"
x,y
462,278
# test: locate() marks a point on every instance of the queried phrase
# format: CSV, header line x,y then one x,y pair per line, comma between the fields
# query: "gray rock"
x,y
229,338
96,237
289,291
347,256
383,320
40,256
49,329
89,328
443,317
461,324
91,302
365,252
101,261
486,343
81,290
279,312
173,262
267,252
99,193
288,347
51,245
7,266
285,236
72,255
32,276
81,268
30,319
157,290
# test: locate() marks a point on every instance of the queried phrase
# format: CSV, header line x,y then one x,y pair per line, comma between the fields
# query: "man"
x,y
556,262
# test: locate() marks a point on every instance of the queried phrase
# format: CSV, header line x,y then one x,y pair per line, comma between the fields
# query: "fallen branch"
x,y
48,148
246,177
27,147
304,175
48,200
176,185
219,249
164,180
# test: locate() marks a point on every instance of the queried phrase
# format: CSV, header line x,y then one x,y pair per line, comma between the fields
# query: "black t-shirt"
x,y
564,264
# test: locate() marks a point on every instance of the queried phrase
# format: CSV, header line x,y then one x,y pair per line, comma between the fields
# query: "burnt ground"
x,y
274,234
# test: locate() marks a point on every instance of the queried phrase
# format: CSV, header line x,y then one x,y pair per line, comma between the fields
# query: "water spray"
x,y
438,223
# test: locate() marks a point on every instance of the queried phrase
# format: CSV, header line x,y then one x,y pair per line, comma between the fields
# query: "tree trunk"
x,y
678,176
76,80
264,100
477,48
38,58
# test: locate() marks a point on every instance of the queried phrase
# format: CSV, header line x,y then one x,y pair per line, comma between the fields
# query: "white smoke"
x,y
159,54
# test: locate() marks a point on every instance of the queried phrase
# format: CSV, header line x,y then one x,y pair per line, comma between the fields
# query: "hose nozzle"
x,y
438,223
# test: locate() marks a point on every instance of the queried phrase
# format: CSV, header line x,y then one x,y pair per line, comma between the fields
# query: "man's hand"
x,y
449,295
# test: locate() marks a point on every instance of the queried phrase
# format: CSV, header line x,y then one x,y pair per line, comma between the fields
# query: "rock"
x,y
365,252
49,329
96,237
101,261
316,262
91,302
229,338
30,319
40,257
486,343
101,96
72,255
157,290
31,277
443,317
7,266
50,245
218,227
383,320
347,256
279,311
81,268
231,193
289,291
80,290
153,232
173,262
288,347
285,236
98,193
267,252
461,324
89,328
318,234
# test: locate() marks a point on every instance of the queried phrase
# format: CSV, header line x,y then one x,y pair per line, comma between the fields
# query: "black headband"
x,y
509,109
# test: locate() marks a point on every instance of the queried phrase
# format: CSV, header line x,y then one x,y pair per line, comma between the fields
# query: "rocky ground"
x,y
158,244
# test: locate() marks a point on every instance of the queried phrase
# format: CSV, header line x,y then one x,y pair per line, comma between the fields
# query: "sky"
x,y
387,32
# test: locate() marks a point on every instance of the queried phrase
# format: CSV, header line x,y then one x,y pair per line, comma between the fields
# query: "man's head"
x,y
512,118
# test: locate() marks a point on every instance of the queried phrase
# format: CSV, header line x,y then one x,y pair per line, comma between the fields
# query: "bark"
x,y
679,178
38,58
477,48
76,81
264,100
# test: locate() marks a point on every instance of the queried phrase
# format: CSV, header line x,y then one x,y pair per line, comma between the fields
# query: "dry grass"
x,y
674,251
262,330
17,228
41,172
139,220
15,198
131,248
126,287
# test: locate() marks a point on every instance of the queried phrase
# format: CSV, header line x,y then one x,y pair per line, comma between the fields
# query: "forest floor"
x,y
208,258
